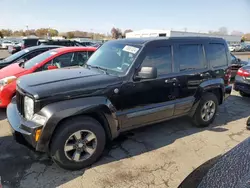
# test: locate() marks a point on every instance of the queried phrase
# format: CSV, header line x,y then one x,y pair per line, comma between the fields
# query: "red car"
x,y
52,59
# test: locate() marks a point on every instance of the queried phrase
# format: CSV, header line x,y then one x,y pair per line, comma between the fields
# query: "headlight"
x,y
39,119
5,81
28,108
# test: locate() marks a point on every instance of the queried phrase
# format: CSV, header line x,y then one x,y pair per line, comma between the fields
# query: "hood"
x,y
11,70
66,83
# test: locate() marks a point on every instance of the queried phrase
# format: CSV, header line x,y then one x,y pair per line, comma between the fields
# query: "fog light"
x,y
38,134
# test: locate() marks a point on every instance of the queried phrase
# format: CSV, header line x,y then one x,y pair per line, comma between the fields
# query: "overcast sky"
x,y
101,16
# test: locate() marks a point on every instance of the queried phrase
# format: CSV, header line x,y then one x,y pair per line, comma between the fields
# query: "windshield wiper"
x,y
99,68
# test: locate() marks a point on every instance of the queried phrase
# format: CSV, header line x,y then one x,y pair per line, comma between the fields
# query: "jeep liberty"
x,y
129,83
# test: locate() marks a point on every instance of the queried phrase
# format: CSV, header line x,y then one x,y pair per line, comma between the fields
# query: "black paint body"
x,y
60,94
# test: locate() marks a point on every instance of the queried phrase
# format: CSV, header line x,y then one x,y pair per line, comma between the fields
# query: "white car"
x,y
6,44
231,48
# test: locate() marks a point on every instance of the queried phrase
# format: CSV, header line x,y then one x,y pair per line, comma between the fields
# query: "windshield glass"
x,y
37,59
16,55
116,58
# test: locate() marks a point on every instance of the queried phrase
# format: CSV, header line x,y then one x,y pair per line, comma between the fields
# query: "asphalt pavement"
x,y
3,53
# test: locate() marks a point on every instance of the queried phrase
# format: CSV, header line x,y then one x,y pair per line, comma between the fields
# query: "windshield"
x,y
115,58
16,55
37,59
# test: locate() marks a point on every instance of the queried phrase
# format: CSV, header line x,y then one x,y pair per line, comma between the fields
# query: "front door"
x,y
148,101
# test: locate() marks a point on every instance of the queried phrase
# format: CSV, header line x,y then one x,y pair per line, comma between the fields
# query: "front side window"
x,y
38,59
65,60
114,57
17,55
216,54
82,57
191,57
160,58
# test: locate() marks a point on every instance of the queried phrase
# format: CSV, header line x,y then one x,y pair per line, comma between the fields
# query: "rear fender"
x,y
208,86
56,112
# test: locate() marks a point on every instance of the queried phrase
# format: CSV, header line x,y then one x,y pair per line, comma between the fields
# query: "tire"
x,y
243,94
65,131
205,99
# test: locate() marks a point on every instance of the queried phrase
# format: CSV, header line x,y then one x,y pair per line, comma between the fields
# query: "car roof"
x,y
74,48
152,39
43,46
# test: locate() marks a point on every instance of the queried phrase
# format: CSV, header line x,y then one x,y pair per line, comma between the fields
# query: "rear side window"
x,y
33,54
160,58
191,57
217,55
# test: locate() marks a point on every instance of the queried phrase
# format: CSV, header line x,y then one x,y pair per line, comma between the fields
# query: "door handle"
x,y
173,80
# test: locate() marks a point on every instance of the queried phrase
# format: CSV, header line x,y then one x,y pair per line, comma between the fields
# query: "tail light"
x,y
22,47
244,73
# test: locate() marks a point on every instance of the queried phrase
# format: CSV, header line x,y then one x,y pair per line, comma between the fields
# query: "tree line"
x,y
44,32
115,33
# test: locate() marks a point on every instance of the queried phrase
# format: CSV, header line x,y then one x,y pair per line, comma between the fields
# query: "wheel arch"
x,y
215,86
101,110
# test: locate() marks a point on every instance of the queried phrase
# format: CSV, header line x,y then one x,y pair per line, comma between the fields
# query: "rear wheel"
x,y
206,111
78,143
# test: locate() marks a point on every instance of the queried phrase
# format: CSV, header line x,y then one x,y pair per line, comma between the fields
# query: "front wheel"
x,y
206,111
78,143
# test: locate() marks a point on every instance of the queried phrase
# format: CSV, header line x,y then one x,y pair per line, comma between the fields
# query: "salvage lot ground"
x,y
160,155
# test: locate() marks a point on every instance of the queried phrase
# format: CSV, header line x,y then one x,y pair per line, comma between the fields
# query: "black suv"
x,y
127,83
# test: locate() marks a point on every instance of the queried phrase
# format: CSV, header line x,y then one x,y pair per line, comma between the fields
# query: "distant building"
x,y
231,39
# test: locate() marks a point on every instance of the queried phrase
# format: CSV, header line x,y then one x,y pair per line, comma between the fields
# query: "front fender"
x,y
58,111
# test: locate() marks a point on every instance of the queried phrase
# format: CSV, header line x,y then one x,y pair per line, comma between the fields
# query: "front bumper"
x,y
23,131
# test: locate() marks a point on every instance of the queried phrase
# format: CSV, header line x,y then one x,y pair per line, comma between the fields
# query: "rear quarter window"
x,y
191,57
217,54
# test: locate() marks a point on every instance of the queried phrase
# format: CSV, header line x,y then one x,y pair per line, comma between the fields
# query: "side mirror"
x,y
238,59
147,73
50,67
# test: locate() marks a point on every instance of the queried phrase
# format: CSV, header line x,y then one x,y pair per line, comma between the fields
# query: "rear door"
x,y
148,101
193,70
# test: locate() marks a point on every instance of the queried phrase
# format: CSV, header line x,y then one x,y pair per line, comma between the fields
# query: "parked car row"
x,y
6,43
28,42
239,48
